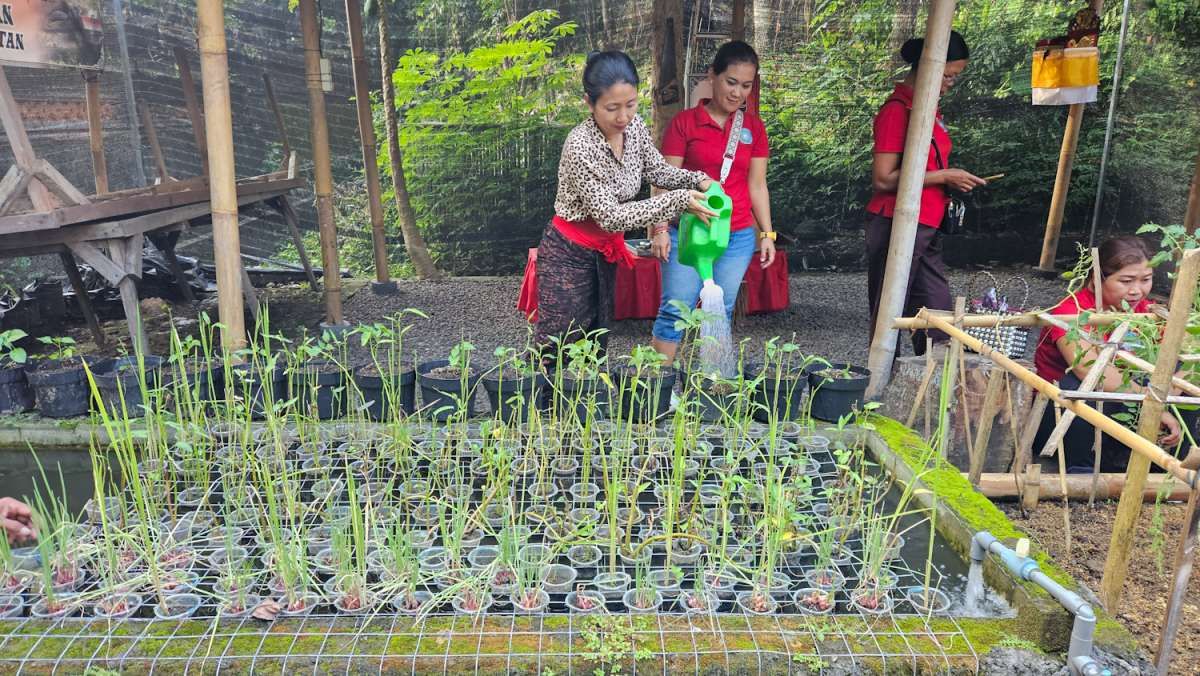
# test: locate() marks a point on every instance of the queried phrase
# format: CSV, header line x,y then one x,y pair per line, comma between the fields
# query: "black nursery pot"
x,y
61,388
440,396
260,389
834,398
647,398
780,393
583,391
16,396
205,379
379,397
513,396
121,387
320,389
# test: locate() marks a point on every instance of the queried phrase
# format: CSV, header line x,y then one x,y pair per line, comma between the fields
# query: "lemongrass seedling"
x,y
59,553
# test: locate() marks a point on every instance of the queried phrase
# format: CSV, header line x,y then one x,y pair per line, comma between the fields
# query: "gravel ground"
x,y
828,313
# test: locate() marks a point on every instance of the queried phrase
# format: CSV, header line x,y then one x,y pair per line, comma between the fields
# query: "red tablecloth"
x,y
639,290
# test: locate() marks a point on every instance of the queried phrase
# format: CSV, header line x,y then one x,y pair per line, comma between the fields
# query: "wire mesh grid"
x,y
560,643
729,635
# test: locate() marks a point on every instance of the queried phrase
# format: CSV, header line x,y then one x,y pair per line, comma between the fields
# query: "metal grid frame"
x,y
726,642
668,641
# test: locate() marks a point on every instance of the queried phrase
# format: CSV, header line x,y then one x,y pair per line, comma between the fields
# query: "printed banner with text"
x,y
51,33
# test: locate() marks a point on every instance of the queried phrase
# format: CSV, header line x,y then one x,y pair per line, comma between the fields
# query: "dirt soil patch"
x,y
1144,601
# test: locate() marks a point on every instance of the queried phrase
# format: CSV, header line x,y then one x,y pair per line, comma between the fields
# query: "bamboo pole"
x,y
222,177
1140,446
1001,486
1182,297
366,133
1134,361
1062,480
1029,319
322,170
91,80
1185,556
908,193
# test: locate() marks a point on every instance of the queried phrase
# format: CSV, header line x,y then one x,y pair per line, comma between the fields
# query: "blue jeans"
x,y
682,282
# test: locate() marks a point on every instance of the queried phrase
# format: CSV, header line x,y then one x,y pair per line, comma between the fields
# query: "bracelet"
x,y
659,229
767,234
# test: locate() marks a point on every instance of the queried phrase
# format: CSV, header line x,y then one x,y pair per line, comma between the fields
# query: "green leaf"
x,y
18,355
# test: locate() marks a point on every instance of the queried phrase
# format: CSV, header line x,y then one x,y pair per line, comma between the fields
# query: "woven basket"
x,y
1011,341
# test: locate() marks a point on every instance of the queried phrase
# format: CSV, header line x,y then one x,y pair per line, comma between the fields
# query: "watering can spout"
x,y
701,244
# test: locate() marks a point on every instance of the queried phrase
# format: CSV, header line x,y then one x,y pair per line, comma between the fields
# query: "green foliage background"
x,y
486,100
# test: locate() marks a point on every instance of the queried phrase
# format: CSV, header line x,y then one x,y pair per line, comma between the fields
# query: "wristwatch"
x,y
768,235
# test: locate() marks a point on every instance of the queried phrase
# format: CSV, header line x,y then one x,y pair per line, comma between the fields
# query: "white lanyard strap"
x,y
731,145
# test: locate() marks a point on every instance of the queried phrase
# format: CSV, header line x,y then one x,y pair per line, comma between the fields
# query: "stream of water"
x,y
716,341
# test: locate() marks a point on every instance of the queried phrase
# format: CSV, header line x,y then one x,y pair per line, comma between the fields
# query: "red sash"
x,y
591,236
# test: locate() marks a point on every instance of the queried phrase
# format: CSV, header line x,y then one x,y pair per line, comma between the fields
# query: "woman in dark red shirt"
x,y
1126,278
927,285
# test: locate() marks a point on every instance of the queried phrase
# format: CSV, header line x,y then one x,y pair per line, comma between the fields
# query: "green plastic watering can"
x,y
701,245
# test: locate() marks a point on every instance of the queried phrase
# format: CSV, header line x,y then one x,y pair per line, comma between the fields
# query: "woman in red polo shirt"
x,y
1126,278
927,285
699,140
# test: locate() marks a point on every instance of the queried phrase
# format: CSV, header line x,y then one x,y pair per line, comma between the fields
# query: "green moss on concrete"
x,y
956,492
979,513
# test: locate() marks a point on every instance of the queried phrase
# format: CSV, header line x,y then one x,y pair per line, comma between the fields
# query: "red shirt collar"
x,y
706,118
904,94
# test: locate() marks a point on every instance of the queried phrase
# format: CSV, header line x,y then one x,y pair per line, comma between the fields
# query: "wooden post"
x,y
908,193
214,71
160,163
987,417
284,207
322,171
91,80
81,296
278,113
667,54
951,374
1058,200
1191,219
1062,180
366,133
1185,556
193,106
738,30
1124,528
1031,492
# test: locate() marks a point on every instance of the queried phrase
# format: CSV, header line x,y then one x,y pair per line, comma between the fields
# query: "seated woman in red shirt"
x,y
1126,278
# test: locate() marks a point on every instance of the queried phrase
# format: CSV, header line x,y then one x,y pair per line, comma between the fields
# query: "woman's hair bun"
x,y
911,51
956,49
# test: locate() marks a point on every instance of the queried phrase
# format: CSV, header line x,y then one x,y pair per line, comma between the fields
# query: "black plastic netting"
x,y
483,186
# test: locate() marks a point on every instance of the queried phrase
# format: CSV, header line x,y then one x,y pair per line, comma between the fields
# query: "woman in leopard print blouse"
x,y
604,162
